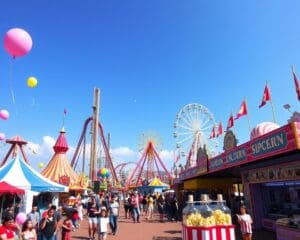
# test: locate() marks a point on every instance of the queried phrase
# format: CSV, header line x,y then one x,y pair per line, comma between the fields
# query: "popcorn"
x,y
222,218
197,220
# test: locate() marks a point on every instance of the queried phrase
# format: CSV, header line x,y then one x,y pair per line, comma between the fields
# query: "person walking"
x,y
245,221
102,224
67,227
34,216
49,225
160,207
135,208
174,208
92,212
28,231
127,207
113,215
150,208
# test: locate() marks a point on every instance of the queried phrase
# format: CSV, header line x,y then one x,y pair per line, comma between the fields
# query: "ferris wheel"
x,y
193,125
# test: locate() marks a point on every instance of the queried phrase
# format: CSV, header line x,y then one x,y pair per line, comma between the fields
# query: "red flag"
x,y
230,121
266,97
220,130
296,84
243,110
213,133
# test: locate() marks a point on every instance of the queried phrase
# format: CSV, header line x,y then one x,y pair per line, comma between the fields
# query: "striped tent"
x,y
19,174
59,169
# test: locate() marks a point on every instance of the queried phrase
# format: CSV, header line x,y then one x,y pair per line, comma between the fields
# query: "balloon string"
x,y
11,80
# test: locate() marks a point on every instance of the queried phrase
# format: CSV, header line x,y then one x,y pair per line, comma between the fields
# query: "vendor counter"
x,y
285,231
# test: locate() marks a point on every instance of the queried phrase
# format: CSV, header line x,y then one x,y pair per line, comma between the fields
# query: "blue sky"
x,y
150,58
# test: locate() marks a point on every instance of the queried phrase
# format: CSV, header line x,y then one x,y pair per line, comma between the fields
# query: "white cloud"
x,y
123,152
42,153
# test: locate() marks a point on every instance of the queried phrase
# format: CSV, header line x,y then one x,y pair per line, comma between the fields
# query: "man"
x,y
113,214
34,216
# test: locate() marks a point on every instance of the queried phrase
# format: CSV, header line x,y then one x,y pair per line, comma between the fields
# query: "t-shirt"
x,y
92,209
150,200
50,227
245,222
114,208
34,217
102,224
8,232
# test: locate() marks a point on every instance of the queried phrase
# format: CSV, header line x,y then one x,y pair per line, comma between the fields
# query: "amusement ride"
x,y
192,130
150,165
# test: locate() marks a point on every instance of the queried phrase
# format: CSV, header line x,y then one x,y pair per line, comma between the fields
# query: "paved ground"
x,y
153,230
146,230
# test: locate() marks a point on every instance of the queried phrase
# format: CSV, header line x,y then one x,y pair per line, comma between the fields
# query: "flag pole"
x,y
248,118
271,103
234,130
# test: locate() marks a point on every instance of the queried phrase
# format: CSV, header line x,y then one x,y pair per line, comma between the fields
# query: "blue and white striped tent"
x,y
20,174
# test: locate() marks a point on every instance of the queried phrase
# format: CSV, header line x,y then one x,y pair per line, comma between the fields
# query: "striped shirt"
x,y
245,222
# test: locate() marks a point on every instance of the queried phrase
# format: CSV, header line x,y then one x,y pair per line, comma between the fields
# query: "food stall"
x,y
269,169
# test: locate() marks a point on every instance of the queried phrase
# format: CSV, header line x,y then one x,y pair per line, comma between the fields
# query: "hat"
x,y
103,209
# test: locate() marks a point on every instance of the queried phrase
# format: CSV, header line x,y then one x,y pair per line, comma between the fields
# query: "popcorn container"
x,y
207,222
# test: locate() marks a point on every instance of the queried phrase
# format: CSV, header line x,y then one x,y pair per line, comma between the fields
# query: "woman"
x,y
7,230
92,212
245,222
150,208
135,208
49,225
67,227
28,231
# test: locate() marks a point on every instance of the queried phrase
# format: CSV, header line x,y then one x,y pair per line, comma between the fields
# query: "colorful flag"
x,y
266,97
220,130
230,121
296,84
243,110
213,133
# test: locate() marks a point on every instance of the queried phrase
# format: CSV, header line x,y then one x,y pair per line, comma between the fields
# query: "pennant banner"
x,y
266,97
243,110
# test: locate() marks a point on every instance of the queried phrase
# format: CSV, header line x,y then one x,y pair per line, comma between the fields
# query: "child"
x,y
102,224
67,228
28,231
245,221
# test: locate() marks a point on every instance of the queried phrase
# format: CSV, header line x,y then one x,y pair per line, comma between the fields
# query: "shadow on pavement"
x,y
166,238
172,231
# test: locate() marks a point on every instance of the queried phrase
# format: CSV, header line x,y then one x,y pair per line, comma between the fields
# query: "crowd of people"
x,y
136,204
102,212
52,224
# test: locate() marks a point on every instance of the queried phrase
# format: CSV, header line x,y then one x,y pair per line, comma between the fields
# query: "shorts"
x,y
102,235
93,220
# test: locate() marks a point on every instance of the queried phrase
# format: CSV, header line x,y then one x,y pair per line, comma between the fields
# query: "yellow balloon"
x,y
41,165
32,82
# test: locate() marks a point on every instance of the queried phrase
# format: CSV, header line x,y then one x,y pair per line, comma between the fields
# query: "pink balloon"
x,y
21,218
17,42
4,114
2,136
